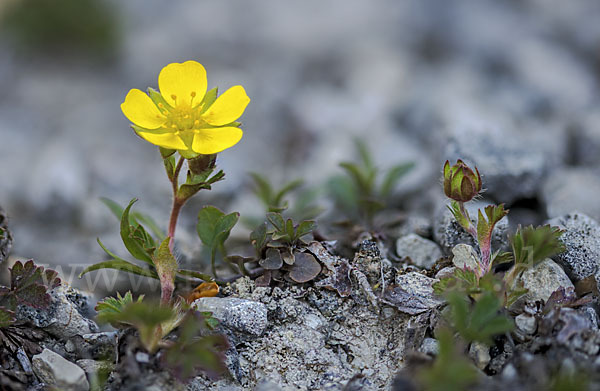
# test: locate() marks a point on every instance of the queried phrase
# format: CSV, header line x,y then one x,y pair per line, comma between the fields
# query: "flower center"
x,y
183,117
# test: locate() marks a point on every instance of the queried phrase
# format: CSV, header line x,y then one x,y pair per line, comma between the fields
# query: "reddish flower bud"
x,y
460,182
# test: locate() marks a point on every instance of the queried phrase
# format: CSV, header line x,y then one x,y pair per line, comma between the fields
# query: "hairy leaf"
x,y
110,307
135,237
485,226
531,245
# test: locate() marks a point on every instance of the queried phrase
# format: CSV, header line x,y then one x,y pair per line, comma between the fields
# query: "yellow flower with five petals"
x,y
184,116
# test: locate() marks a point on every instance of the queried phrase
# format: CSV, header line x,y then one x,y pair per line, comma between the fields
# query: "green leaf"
x,y
122,265
361,180
194,274
463,220
214,226
135,245
262,189
7,317
481,321
193,352
258,237
287,188
109,308
451,371
532,245
485,227
393,176
305,228
276,221
170,164
289,229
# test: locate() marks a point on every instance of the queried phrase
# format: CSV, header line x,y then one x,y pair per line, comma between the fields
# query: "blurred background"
x,y
509,85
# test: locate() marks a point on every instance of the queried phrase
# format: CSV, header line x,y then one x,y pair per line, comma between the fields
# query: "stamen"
x,y
174,97
196,122
193,94
161,106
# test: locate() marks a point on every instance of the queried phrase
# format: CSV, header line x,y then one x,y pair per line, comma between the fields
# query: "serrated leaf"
x,y
458,215
134,245
29,286
110,307
485,227
532,245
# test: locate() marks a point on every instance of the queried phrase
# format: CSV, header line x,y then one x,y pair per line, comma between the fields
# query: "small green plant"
x,y
186,355
276,199
214,227
279,249
362,192
529,245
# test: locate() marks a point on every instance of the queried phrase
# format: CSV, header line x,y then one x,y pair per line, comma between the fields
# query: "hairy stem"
x,y
177,204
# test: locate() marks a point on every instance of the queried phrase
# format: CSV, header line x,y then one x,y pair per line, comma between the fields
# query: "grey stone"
x,y
415,225
423,252
92,367
54,370
61,319
581,258
5,236
448,233
543,279
465,257
241,315
267,385
430,346
419,288
445,272
586,140
573,189
526,323
511,170
480,353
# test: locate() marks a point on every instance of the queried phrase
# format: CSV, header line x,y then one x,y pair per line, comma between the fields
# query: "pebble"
x,y
581,258
480,353
430,346
56,371
246,316
465,256
526,324
423,252
543,279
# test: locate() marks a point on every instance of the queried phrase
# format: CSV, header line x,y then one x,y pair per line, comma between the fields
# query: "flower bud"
x,y
460,182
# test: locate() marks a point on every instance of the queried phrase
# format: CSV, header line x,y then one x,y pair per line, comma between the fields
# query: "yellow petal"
x,y
228,107
165,140
139,109
215,140
183,84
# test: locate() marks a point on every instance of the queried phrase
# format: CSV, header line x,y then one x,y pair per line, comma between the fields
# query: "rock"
x,y
586,140
412,293
511,170
423,252
581,258
430,346
480,353
415,225
465,256
92,367
526,324
573,189
5,237
62,318
54,370
241,315
267,385
543,279
445,272
448,233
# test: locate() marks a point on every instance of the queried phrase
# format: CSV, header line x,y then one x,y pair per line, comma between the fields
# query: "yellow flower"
x,y
184,116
